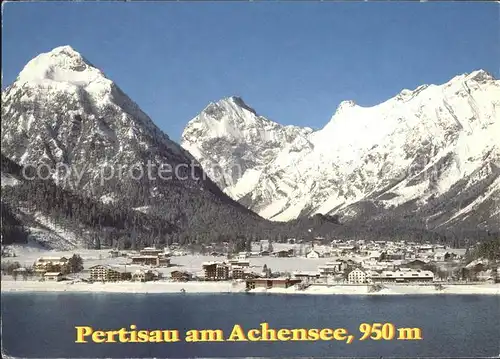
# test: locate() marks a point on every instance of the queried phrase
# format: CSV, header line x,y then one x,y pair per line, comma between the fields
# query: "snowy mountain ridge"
x,y
411,149
237,143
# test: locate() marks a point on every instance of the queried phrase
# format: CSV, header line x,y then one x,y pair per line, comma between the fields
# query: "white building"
x,y
376,255
242,255
313,254
307,276
357,276
114,253
404,275
331,268
53,276
442,256
143,275
151,251
426,249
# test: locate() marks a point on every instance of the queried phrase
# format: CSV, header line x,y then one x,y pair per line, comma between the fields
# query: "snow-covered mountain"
x,y
108,156
62,110
234,144
434,149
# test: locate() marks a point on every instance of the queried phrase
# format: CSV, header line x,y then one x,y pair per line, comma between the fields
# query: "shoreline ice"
x,y
8,286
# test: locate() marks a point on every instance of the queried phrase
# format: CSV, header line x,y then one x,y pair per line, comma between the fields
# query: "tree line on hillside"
x,y
12,230
96,222
489,249
188,216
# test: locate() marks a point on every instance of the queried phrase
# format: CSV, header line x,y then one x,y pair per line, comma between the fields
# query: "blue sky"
x,y
294,62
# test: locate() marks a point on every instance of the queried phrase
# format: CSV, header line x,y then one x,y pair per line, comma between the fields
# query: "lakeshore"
x,y
236,287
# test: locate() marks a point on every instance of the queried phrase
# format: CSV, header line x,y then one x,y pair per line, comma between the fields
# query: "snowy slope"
x,y
8,180
414,148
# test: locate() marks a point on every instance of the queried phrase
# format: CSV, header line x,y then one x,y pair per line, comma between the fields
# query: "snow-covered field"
x,y
122,287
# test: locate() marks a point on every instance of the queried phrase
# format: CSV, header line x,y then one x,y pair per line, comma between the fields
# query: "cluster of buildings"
x,y
149,256
382,250
55,268
379,261
356,273
355,262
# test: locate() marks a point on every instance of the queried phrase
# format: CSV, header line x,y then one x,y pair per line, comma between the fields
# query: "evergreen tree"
x,y
248,245
270,247
75,264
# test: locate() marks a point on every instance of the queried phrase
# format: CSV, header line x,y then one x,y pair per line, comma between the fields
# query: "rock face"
x,y
432,152
64,112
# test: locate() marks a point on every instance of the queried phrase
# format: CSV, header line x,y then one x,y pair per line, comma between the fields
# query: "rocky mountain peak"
x,y
238,101
228,106
481,76
342,112
344,105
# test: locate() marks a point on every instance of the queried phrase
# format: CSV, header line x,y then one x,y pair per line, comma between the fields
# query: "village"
x,y
266,266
